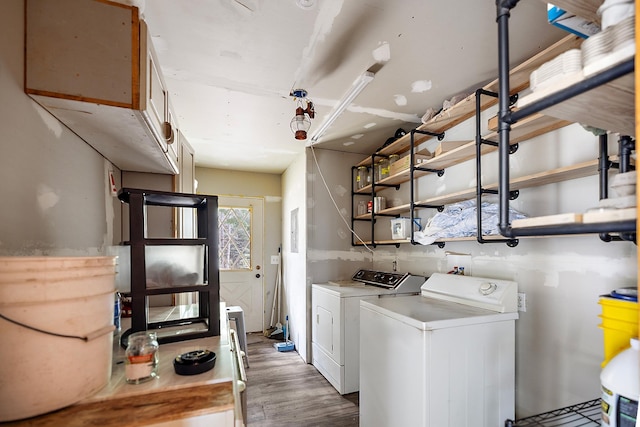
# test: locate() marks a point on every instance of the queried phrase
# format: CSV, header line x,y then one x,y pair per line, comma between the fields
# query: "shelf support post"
x,y
479,190
503,13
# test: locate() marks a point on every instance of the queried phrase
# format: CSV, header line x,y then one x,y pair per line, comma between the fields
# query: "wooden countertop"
x,y
166,398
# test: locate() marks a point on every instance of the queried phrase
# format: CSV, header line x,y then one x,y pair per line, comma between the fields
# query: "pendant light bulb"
x,y
300,124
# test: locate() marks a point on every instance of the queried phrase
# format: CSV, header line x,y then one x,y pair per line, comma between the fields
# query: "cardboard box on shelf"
x,y
402,163
569,22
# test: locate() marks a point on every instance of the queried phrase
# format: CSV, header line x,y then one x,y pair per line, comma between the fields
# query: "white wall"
x,y
54,186
247,184
330,255
294,263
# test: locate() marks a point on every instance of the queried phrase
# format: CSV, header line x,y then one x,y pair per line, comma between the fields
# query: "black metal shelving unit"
x,y
625,229
586,414
480,190
371,216
207,321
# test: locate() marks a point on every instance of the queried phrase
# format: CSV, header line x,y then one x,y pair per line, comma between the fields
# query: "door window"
x,y
234,227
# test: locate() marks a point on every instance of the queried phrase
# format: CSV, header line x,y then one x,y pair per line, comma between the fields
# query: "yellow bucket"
x,y
619,323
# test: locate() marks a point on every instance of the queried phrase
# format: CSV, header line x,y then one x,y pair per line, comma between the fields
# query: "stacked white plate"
x,y
596,47
624,187
624,184
568,63
624,33
609,47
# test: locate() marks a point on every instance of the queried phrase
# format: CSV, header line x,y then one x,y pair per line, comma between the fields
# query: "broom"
x,y
274,331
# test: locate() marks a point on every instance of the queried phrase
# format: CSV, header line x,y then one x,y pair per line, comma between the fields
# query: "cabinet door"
x,y
327,320
81,50
157,101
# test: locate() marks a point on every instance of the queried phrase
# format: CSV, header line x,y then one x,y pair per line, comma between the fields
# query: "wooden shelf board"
x,y
607,216
565,173
610,106
465,109
527,128
557,219
446,199
530,127
396,210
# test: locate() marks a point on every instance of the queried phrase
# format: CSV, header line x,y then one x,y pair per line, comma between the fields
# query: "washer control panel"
x,y
404,282
482,292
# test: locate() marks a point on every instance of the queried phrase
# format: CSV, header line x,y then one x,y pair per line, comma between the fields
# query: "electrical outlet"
x,y
522,301
275,259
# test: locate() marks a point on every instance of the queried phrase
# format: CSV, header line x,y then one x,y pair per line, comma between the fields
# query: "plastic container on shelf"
x,y
620,381
619,323
61,317
401,227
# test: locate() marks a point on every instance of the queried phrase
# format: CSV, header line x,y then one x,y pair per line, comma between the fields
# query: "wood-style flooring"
x,y
283,390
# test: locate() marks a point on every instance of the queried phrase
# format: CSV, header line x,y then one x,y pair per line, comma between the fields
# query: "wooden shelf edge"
x,y
588,218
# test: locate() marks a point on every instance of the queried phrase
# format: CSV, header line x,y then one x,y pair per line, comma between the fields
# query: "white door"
x,y
240,225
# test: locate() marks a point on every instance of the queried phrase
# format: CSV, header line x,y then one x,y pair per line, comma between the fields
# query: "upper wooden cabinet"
x,y
92,65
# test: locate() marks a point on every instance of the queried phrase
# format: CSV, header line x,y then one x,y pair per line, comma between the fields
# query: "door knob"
x,y
258,276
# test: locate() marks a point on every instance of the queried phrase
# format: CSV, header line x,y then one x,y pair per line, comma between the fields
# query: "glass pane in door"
x,y
234,227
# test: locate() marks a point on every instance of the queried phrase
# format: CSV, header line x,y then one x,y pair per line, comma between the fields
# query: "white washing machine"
x,y
336,321
444,358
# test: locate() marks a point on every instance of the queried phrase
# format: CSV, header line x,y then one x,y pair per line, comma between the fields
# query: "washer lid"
x,y
491,294
428,314
361,290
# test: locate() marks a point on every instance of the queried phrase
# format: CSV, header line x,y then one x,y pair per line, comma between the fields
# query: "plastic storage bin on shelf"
x,y
401,227
619,321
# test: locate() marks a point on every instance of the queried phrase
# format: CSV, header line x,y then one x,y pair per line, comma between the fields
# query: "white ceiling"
x,y
230,66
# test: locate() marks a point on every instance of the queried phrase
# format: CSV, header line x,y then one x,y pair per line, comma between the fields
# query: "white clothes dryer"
x,y
336,321
443,358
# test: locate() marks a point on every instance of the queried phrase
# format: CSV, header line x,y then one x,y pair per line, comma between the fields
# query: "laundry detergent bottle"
x,y
620,381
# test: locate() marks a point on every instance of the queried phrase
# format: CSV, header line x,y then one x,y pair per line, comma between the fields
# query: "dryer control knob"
x,y
487,288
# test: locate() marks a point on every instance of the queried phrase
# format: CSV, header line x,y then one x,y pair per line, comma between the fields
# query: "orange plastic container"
x,y
619,323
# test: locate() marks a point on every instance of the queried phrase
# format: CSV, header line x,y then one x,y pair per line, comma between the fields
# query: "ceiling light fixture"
x,y
357,87
302,120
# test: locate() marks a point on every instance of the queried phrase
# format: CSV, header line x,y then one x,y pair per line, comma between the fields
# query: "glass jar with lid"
x,y
362,179
141,361
393,158
377,173
384,168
